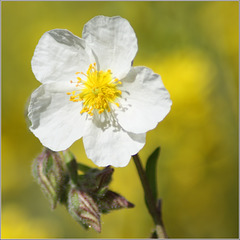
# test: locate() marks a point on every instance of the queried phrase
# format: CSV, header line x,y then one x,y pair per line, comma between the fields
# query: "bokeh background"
x,y
194,47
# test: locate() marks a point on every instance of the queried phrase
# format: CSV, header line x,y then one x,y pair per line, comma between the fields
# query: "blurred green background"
x,y
194,47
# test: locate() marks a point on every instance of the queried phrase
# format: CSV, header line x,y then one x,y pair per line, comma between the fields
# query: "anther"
x,y
98,91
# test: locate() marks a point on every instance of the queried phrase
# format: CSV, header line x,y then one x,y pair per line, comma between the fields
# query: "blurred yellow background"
x,y
194,47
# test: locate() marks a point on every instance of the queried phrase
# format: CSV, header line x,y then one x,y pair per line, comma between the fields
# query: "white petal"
x,y
59,55
145,101
111,145
114,42
56,120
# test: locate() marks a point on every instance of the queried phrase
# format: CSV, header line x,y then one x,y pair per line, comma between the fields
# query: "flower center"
x,y
97,92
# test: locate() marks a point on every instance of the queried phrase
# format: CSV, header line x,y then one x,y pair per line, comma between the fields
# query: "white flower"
x,y
90,89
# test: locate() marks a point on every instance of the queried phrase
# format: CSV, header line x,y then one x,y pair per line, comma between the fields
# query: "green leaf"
x,y
151,167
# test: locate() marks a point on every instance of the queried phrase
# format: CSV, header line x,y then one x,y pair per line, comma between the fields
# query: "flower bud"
x,y
96,181
112,201
83,209
48,171
103,179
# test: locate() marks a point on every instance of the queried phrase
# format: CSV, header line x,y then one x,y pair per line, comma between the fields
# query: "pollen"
x,y
97,90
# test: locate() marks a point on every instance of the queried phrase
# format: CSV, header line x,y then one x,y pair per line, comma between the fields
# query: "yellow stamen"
x,y
97,92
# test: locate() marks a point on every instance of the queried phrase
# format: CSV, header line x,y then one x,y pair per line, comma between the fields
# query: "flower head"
x,y
90,89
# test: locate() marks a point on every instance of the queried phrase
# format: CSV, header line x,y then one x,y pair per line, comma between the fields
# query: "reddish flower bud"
x,y
112,201
49,173
83,209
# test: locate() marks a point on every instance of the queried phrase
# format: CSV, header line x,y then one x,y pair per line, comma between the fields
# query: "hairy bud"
x,y
48,171
96,181
83,209
86,196
111,201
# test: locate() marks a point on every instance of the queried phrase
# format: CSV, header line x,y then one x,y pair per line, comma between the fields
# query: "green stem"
x,y
71,165
154,211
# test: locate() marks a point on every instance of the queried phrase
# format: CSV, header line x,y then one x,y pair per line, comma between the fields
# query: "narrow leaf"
x,y
84,168
151,167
